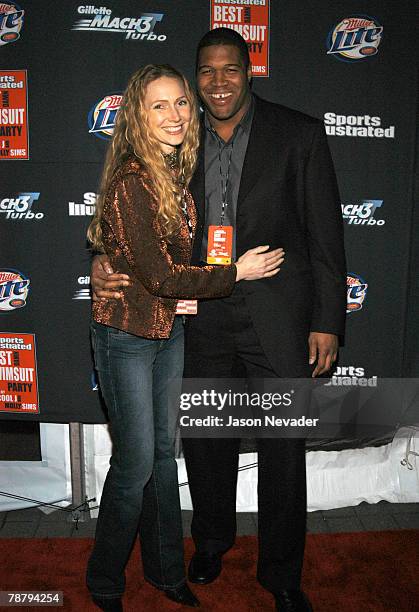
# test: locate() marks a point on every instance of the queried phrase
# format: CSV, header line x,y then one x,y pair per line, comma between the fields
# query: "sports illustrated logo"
x,y
134,28
363,126
20,207
11,22
86,209
354,38
84,292
362,214
351,376
14,289
102,115
357,292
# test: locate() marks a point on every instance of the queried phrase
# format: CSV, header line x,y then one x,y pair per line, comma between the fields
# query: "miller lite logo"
x,y
14,289
101,119
11,22
357,292
354,38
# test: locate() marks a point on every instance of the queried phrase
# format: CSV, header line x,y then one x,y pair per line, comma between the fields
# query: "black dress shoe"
x,y
182,595
204,567
108,604
292,600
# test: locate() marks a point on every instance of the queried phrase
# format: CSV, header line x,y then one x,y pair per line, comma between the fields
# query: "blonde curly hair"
x,y
132,136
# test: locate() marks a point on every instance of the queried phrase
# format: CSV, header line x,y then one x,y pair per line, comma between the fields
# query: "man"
x,y
266,171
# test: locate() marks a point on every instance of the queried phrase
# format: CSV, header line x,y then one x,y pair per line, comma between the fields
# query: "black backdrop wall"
x,y
350,63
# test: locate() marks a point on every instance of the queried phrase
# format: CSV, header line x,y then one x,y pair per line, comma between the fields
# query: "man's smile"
x,y
220,96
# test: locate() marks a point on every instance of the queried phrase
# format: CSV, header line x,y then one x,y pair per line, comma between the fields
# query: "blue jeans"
x,y
140,380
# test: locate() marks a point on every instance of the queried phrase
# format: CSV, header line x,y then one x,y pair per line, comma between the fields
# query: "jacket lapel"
x,y
255,160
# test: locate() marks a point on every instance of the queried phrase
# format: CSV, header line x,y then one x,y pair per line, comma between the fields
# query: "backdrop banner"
x,y
64,67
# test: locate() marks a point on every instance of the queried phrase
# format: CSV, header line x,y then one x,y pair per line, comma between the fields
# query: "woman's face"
x,y
168,112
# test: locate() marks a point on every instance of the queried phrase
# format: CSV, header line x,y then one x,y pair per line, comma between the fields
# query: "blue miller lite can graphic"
x,y
357,292
101,119
11,22
354,38
14,289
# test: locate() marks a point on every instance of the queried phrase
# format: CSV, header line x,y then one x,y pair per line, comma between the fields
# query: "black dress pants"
x,y
222,343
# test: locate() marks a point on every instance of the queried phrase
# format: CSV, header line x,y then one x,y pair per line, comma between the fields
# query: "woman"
x,y
145,221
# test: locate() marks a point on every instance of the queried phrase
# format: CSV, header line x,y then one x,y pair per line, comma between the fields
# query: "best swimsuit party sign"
x,y
18,375
250,18
13,115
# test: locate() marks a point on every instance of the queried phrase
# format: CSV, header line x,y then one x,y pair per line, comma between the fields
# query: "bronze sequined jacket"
x,y
159,268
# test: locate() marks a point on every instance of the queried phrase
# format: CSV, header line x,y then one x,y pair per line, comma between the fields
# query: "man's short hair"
x,y
224,36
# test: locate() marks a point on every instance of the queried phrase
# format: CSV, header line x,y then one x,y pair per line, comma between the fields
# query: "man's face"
x,y
223,82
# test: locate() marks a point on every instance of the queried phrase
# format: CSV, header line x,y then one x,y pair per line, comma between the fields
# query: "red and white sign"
x,y
14,133
18,373
250,18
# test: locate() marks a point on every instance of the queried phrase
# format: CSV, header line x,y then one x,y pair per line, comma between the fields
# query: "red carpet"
x,y
352,572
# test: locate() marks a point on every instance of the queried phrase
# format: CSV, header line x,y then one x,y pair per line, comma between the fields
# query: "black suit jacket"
x,y
288,197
